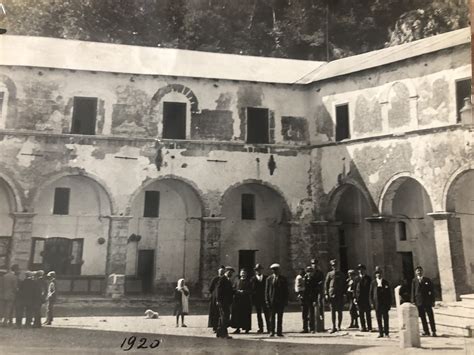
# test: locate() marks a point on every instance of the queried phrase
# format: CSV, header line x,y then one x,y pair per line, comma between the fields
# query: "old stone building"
x,y
161,163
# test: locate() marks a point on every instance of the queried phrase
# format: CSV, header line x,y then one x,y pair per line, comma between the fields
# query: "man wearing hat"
x,y
422,295
352,280
10,287
276,298
335,287
225,295
318,276
258,286
29,293
362,298
309,300
213,320
381,297
50,297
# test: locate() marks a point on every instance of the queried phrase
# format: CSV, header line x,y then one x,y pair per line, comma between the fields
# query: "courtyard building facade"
x,y
126,168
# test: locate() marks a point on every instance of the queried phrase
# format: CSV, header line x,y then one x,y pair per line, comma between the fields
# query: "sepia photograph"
x,y
236,177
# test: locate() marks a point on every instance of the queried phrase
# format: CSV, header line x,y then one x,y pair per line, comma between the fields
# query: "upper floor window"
x,y
248,206
174,120
342,122
61,200
463,90
84,115
402,231
152,204
258,125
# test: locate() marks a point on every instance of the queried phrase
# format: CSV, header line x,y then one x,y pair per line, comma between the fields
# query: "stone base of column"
x,y
115,286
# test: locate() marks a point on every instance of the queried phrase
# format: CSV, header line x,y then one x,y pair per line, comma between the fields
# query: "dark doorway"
x,y
174,120
247,260
84,115
257,125
407,266
343,251
146,265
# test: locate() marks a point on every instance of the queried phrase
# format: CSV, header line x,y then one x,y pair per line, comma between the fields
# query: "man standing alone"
x,y
50,297
422,295
276,297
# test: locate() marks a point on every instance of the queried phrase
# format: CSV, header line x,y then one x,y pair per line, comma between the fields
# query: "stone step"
x,y
458,312
468,300
452,329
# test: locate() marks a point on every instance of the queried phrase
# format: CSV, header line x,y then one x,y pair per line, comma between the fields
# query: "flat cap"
x,y
51,274
229,268
275,266
258,267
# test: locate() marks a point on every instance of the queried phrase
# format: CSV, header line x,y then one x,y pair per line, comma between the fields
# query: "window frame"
x,y
349,133
244,214
54,212
456,81
145,215
268,140
96,109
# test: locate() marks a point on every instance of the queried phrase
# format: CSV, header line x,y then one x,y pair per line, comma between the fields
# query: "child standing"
x,y
181,297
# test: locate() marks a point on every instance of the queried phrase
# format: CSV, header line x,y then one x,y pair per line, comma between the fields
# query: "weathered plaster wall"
x,y
416,93
6,208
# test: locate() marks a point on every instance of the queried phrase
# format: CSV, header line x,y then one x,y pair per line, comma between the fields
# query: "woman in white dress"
x,y
181,297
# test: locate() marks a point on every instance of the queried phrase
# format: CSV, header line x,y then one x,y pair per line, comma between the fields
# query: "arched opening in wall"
x,y
167,218
255,228
70,233
407,203
460,200
353,231
7,203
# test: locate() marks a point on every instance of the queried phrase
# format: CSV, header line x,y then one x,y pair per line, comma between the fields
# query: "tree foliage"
x,y
305,29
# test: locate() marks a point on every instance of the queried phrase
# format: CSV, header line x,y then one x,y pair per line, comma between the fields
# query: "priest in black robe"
x,y
242,306
213,320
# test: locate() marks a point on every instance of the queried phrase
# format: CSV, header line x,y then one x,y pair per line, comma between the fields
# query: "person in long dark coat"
x,y
422,295
318,276
29,293
242,305
276,298
335,287
362,298
225,295
309,300
213,320
258,297
381,297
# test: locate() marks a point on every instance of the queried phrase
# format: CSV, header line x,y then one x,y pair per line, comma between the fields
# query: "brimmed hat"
x,y
377,271
309,268
29,274
351,272
51,274
333,262
275,266
258,267
361,267
229,268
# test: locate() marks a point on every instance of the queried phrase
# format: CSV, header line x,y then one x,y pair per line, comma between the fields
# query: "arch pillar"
x,y
211,232
449,248
21,239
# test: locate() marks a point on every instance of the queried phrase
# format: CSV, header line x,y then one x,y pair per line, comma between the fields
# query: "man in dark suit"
x,y
213,319
381,297
335,288
362,298
225,295
258,298
309,299
422,295
276,298
318,276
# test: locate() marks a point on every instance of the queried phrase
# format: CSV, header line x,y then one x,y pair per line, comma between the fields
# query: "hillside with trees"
x,y
303,29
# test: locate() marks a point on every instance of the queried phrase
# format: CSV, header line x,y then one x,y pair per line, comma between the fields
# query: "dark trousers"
x,y
49,311
422,312
308,315
365,319
20,311
224,316
354,314
382,321
260,308
336,307
276,311
37,315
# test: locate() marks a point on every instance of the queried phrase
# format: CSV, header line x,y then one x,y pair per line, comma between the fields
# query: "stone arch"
x,y
448,198
390,188
179,88
336,194
199,194
49,179
275,189
384,95
13,192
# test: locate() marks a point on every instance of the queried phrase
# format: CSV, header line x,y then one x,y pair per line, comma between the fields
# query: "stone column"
x,y
449,249
321,241
210,251
21,239
117,255
384,246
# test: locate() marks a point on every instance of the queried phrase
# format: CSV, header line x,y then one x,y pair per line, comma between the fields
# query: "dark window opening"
x,y
342,122
61,200
62,255
402,231
152,204
174,120
257,125
248,206
84,115
463,90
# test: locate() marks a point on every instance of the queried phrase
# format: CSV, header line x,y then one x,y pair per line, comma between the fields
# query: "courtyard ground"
x,y
105,335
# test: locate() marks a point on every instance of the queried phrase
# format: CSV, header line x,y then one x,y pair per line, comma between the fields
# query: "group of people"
x,y
23,298
231,302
